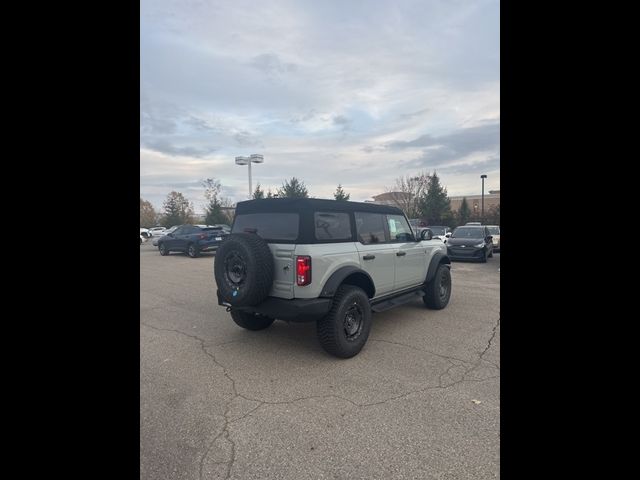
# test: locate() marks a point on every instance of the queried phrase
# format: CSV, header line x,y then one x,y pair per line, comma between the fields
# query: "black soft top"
x,y
306,207
266,205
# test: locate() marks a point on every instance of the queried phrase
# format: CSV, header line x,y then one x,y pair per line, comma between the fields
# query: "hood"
x,y
467,242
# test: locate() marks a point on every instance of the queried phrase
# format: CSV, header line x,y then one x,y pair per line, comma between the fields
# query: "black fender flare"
x,y
436,260
337,277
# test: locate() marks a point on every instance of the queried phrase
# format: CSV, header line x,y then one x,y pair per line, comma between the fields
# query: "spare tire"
x,y
243,269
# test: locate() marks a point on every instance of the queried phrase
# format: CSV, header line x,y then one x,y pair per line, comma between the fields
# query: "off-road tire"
x,y
333,330
243,269
251,321
437,291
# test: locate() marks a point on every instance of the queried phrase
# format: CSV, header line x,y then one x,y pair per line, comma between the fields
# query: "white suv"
x,y
332,262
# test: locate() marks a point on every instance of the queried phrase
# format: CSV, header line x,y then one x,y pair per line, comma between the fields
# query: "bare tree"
x,y
407,192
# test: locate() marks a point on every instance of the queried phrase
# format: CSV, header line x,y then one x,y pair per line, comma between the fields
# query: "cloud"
x,y
351,92
452,146
164,146
271,64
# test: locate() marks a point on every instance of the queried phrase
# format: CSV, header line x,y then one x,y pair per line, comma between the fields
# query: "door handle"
x,y
368,257
401,254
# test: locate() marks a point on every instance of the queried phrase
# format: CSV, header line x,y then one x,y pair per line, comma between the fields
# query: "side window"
x,y
399,229
178,231
332,226
370,227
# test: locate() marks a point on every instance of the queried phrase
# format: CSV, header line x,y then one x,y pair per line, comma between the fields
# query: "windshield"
x,y
468,232
437,230
494,230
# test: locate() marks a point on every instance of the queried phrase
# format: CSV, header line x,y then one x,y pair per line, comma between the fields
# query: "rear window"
x,y
332,226
270,226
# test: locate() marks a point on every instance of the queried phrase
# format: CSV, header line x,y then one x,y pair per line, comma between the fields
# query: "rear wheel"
x,y
251,321
437,291
345,329
163,249
193,251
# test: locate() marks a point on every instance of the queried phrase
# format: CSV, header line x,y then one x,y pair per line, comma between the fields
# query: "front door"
x,y
411,264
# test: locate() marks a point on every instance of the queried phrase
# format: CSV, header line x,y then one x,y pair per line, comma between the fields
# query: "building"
x,y
395,199
402,200
491,199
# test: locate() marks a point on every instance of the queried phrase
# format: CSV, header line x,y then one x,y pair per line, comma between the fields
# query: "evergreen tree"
x,y
341,194
177,210
214,213
258,193
434,205
293,188
464,213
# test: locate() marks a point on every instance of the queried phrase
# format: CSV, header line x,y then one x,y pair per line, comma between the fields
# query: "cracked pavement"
x,y
420,401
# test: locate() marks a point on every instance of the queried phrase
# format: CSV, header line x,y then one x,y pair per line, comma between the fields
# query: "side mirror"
x,y
426,234
490,237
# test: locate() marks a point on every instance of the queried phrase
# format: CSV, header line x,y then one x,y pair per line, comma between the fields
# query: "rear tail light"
x,y
303,270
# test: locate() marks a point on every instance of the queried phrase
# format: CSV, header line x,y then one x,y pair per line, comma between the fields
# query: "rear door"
x,y
377,255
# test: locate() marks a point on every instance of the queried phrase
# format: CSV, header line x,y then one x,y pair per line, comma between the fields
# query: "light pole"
x,y
483,177
255,158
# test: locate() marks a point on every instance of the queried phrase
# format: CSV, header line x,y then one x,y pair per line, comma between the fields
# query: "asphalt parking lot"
x,y
421,401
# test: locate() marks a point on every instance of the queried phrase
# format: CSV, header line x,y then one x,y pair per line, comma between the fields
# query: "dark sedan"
x,y
191,239
470,243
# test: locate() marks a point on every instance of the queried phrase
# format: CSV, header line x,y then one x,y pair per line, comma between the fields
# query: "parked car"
x,y
224,227
470,242
494,230
191,239
440,232
473,223
157,231
326,261
156,239
145,235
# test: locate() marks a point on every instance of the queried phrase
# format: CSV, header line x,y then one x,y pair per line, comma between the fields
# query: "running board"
x,y
383,305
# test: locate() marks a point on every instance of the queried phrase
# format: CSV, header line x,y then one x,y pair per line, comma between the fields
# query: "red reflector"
x,y
303,270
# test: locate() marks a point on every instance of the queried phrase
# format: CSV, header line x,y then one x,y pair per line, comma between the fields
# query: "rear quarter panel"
x,y
326,258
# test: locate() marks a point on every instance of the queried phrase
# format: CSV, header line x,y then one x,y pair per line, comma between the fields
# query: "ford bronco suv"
x,y
328,261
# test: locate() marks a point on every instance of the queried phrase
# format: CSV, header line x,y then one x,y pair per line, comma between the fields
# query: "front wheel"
x,y
437,291
163,249
345,329
251,321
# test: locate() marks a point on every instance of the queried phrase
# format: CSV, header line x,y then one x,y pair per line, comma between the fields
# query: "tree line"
x,y
420,196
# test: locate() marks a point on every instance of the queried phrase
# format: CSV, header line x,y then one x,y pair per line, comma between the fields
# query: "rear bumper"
x,y
294,310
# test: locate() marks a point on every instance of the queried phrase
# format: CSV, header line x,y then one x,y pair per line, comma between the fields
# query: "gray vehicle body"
x,y
385,264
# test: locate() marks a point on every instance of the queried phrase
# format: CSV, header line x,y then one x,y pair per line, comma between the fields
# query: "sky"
x,y
357,92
